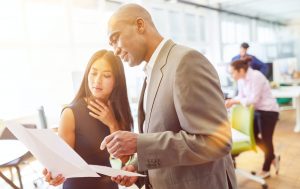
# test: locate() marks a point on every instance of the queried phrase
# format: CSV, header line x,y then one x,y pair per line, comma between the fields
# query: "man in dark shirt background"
x,y
254,62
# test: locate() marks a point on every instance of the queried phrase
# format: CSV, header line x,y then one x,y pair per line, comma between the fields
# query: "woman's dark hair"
x,y
118,97
240,64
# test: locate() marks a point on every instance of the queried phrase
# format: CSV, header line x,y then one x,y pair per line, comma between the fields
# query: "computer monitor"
x,y
283,70
270,71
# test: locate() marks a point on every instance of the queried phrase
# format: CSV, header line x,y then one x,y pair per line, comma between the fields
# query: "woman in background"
x,y
254,88
100,107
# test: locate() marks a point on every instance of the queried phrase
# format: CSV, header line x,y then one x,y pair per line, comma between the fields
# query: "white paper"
x,y
113,172
56,155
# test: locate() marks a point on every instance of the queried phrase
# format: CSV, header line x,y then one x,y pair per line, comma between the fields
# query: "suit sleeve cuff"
x,y
146,158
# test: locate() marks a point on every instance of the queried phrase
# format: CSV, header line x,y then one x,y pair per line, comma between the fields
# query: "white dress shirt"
x,y
149,67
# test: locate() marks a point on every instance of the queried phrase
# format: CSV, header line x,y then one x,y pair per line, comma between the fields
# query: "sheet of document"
x,y
57,156
112,172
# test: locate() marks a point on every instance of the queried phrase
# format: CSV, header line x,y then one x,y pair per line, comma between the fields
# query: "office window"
x,y
242,32
235,31
229,51
201,27
176,32
271,51
190,26
265,34
160,20
228,32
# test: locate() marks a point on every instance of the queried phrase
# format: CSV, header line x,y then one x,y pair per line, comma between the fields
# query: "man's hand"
x,y
53,181
125,180
120,143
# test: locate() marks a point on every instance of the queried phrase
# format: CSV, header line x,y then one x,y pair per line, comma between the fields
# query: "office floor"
x,y
287,144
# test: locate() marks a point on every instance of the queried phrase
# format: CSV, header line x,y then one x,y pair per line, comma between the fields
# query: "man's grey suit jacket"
x,y
185,139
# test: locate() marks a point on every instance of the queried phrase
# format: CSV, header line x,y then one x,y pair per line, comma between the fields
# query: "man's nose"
x,y
117,51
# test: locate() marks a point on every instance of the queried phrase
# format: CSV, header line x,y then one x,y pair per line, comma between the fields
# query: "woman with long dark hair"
x,y
100,107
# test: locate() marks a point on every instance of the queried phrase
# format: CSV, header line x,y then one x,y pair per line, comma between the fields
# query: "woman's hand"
x,y
125,180
229,103
104,113
53,181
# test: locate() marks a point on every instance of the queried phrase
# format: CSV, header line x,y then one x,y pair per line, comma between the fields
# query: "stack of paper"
x,y
57,156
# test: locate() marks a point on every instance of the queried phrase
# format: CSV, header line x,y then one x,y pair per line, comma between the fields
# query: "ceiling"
x,y
285,11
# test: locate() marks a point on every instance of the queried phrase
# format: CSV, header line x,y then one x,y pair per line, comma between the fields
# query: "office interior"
x,y
46,44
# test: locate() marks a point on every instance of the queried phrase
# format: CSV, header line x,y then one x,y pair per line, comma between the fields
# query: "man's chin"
x,y
131,64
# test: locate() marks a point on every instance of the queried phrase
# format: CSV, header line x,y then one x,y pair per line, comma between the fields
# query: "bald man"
x,y
185,139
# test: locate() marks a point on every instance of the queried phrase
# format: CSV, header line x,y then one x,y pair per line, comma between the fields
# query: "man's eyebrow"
x,y
113,34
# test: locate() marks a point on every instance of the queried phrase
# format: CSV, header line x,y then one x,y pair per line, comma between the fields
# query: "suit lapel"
x,y
156,77
141,112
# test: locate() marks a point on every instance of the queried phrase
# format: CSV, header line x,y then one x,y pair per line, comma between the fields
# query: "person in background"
x,y
100,107
254,62
254,89
185,139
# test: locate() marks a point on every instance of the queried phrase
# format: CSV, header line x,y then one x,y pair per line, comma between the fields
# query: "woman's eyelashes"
x,y
105,75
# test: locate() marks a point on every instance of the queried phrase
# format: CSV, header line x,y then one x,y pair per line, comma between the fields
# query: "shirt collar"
x,y
149,66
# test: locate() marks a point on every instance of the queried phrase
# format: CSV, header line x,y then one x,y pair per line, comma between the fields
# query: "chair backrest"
x,y
242,119
42,118
7,135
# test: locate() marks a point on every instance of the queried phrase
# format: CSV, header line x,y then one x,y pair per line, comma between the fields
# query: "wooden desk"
x,y
290,92
11,155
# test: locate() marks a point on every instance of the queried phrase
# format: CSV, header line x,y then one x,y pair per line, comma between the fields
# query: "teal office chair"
x,y
242,122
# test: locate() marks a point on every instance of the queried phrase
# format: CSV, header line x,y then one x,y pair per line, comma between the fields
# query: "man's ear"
x,y
140,25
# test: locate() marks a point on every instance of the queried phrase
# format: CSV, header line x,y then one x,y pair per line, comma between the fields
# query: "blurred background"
x,y
46,44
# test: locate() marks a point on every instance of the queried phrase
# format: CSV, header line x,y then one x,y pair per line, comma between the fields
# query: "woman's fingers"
x,y
94,110
117,179
99,109
45,171
94,115
124,181
99,105
53,181
57,181
48,177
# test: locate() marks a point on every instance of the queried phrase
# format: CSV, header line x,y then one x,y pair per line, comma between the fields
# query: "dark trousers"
x,y
264,125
